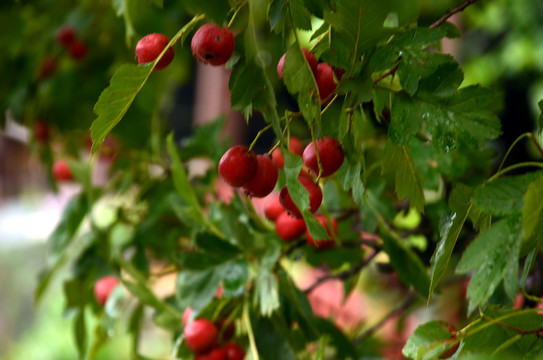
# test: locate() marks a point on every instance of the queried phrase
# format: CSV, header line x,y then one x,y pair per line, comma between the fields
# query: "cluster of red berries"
x,y
323,73
67,38
202,336
211,44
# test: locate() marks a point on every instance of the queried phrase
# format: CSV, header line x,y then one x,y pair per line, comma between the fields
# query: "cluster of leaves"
x,y
413,138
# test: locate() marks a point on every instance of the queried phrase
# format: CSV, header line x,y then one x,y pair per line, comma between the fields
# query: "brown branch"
x,y
389,72
344,274
450,13
399,309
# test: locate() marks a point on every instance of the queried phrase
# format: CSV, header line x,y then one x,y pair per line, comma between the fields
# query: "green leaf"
x,y
426,342
267,285
246,95
504,196
540,117
494,256
407,264
269,342
408,182
532,211
460,205
80,333
215,10
123,8
349,175
125,84
300,14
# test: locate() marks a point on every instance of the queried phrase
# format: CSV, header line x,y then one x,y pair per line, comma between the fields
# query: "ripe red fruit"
x,y
289,228
265,178
41,131
233,351
61,171
322,244
311,60
47,67
238,165
273,208
77,49
152,45
103,288
330,155
325,80
66,35
212,44
201,335
315,197
213,354
295,146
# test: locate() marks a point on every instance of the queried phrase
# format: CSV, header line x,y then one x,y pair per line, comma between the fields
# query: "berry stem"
x,y
258,135
236,14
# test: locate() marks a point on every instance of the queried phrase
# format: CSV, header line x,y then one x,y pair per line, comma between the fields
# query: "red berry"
x,y
233,351
186,315
315,197
41,131
212,44
273,208
103,288
330,155
61,171
66,35
325,80
322,244
201,335
311,60
77,49
152,45
213,354
238,165
265,178
295,146
289,228
47,67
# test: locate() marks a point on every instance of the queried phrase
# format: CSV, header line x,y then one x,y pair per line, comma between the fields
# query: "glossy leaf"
x,y
532,211
426,342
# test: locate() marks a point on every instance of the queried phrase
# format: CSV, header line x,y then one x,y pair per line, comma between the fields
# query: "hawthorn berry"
x,y
265,178
201,335
212,44
273,208
295,146
315,197
77,49
289,228
213,354
47,67
330,155
325,80
152,45
233,351
65,35
103,288
311,60
326,243
238,165
41,131
61,171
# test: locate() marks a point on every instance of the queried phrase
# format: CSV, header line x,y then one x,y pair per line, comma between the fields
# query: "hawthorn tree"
x,y
411,138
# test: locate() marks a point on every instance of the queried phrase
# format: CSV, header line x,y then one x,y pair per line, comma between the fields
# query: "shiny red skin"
x,y
315,197
66,35
325,80
295,146
213,44
201,335
264,180
238,165
273,208
103,288
213,354
311,60
233,351
289,228
77,49
150,46
41,131
61,171
330,154
48,67
322,244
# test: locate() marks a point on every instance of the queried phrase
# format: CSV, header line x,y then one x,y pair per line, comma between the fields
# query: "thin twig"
x,y
344,274
400,308
451,12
